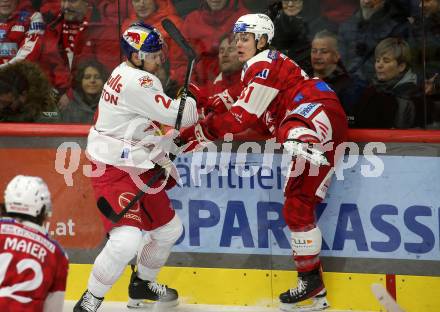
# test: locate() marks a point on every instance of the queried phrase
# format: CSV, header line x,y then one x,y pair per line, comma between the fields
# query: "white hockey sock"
x,y
111,262
154,253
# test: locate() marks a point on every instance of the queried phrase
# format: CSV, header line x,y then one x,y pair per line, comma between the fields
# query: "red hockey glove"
x,y
219,103
199,94
195,137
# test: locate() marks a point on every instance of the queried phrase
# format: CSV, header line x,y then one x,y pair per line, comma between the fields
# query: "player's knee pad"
x,y
307,243
155,252
168,233
111,262
123,243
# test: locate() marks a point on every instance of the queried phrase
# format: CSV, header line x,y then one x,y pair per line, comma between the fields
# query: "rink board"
x,y
235,249
346,291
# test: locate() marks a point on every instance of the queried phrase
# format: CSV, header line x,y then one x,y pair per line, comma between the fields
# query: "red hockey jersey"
x,y
32,266
276,90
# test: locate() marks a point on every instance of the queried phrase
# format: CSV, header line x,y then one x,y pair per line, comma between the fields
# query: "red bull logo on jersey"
x,y
145,81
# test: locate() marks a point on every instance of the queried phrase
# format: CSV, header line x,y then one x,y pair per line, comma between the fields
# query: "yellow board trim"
x,y
246,287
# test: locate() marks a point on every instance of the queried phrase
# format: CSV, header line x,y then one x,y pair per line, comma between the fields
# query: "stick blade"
x,y
385,299
177,36
107,210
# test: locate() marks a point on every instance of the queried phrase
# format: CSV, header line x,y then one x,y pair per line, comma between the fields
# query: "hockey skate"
x,y
146,294
310,286
88,303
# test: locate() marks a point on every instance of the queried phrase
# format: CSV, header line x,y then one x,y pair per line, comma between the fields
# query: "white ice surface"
x,y
121,306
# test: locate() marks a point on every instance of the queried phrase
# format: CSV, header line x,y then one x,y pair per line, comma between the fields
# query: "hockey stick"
x,y
385,298
103,205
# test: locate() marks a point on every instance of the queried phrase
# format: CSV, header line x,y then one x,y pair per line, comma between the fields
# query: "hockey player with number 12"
x,y
33,266
305,115
126,154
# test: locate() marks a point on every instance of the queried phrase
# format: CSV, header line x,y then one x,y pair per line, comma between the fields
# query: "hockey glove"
x,y
195,138
219,103
304,142
194,91
171,174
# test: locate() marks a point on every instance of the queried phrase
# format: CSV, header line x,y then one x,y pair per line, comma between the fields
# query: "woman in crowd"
x,y
87,86
389,101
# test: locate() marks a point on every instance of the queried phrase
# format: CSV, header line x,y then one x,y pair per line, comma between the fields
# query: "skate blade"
x,y
318,304
155,306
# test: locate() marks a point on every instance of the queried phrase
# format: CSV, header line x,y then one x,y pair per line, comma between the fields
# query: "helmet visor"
x,y
158,56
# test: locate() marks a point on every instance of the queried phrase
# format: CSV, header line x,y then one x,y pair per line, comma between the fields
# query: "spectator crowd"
x,y
381,57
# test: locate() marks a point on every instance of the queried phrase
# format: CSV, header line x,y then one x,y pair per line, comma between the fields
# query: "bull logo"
x,y
133,36
146,82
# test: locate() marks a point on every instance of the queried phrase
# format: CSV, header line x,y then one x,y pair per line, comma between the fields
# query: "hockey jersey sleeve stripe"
x,y
255,98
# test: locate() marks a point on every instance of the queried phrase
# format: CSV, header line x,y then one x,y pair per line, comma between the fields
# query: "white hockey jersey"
x,y
132,103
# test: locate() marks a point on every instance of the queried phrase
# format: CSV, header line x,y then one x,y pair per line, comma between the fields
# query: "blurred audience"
x,y
327,65
389,101
21,33
78,33
296,22
89,79
337,11
204,27
152,12
114,11
359,35
170,86
229,65
212,96
426,46
26,94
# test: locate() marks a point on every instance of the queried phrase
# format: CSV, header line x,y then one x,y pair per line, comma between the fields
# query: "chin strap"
x,y
141,67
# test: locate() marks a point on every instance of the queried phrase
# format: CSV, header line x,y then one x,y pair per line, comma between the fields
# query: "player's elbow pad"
x,y
190,115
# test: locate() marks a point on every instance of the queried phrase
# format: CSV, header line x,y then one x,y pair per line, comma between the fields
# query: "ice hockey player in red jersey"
x,y
305,115
33,267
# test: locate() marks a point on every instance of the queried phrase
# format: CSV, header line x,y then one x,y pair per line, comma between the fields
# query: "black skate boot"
x,y
310,286
88,303
146,294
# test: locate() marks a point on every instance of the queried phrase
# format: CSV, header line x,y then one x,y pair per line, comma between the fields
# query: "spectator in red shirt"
x,y
152,12
211,96
204,27
21,33
338,11
77,33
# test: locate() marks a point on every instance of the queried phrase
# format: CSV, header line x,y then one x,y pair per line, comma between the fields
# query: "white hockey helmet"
x,y
27,196
257,24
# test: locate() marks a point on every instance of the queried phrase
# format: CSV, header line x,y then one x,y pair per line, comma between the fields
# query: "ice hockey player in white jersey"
x,y
126,152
